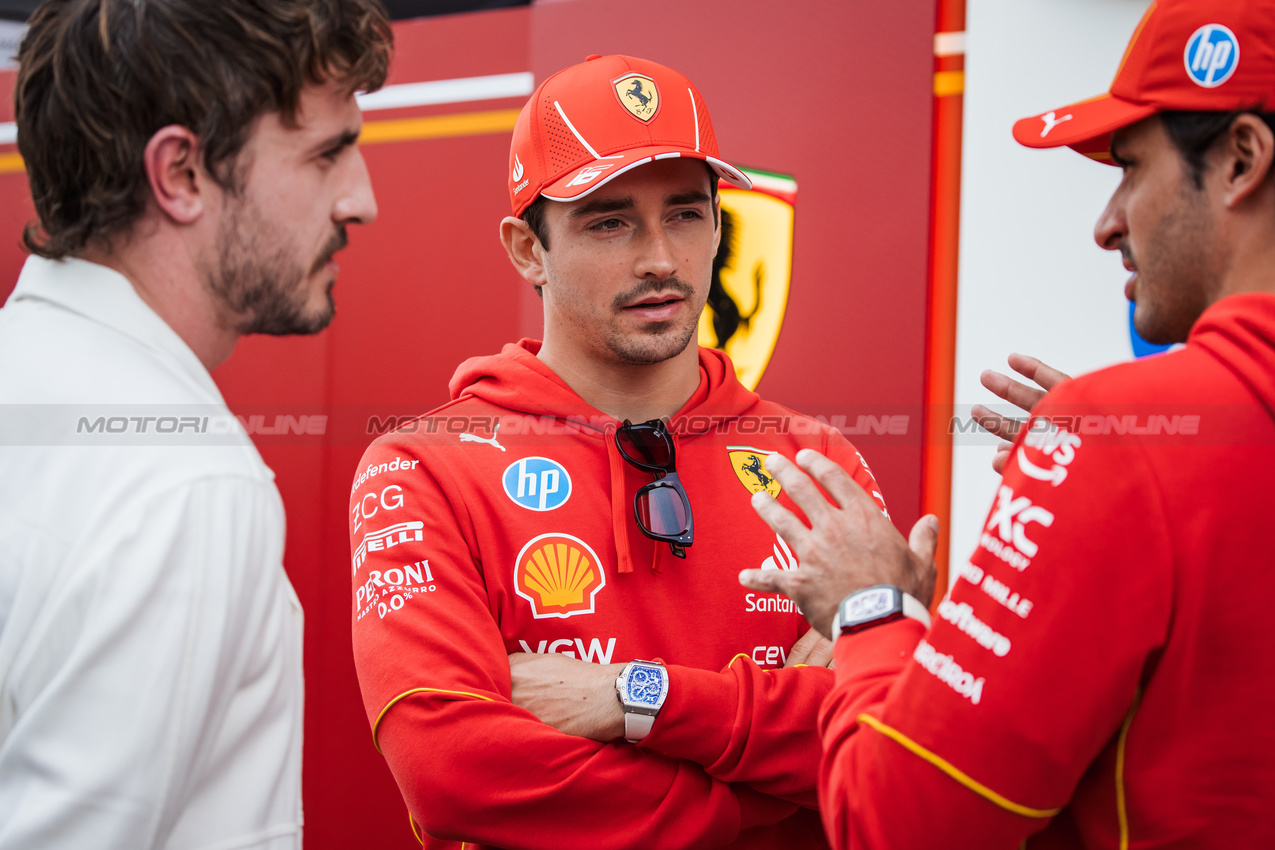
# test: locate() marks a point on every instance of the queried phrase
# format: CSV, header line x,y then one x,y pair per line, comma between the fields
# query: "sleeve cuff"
x,y
877,650
698,716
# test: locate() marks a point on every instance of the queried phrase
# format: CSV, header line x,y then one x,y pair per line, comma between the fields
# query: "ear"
x,y
1248,154
524,250
717,221
179,185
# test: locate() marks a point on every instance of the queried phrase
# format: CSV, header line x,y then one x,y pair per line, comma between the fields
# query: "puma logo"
x,y
1051,122
491,441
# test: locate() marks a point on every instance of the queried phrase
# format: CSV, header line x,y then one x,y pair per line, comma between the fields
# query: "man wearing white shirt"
x,y
194,170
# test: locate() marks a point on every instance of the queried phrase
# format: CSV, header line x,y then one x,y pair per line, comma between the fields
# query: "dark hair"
x,y
1195,133
97,78
534,215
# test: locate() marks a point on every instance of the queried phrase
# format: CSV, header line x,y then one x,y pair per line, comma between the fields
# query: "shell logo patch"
x,y
750,467
559,575
638,95
751,272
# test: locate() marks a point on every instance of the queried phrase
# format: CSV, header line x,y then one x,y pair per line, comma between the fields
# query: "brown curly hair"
x,y
97,78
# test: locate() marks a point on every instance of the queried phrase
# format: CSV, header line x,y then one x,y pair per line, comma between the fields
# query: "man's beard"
x,y
663,340
1177,271
257,280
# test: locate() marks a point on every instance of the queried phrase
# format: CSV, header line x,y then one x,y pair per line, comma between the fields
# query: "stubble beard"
x,y
1176,271
258,283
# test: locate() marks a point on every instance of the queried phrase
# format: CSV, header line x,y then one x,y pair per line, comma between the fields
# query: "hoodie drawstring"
x,y
619,522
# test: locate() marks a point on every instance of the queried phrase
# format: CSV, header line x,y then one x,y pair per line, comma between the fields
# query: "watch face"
x,y
868,605
645,685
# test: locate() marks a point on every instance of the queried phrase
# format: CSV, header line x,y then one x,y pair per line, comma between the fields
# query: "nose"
x,y
357,204
1112,228
656,257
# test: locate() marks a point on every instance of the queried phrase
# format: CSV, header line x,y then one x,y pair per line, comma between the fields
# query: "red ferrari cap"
x,y
1195,55
592,122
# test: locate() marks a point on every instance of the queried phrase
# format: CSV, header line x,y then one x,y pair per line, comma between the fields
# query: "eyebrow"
x,y
606,205
683,198
602,205
340,141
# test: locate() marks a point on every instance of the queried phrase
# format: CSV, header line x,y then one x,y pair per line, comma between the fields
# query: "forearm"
x,y
877,787
748,725
489,772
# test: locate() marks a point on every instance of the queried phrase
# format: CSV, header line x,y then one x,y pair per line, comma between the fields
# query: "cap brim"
x,y
582,181
1085,127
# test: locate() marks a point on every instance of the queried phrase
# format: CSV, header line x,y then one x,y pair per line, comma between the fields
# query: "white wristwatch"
x,y
641,688
874,606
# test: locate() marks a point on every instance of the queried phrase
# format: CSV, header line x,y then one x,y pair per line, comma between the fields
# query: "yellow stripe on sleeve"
x,y
377,725
1122,812
954,772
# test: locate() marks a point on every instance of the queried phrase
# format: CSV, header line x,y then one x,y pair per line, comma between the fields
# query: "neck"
x,y
165,276
1251,265
624,391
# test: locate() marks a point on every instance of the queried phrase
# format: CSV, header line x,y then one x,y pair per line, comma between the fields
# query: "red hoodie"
x,y
1097,675
503,522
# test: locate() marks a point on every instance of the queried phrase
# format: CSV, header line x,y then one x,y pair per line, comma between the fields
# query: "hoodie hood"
x,y
1240,332
517,380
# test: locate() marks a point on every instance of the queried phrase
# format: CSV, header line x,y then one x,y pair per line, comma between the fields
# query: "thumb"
x,y
767,581
924,538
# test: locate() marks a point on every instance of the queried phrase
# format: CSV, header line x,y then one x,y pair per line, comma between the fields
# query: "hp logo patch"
x,y
1212,54
537,483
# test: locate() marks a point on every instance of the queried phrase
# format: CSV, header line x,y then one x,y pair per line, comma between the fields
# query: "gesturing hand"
x,y
573,696
1019,395
850,545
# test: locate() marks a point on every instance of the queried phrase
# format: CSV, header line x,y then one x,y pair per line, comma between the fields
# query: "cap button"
x,y
592,56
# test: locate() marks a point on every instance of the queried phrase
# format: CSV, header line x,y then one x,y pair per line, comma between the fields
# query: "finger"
x,y
1017,394
923,540
767,581
799,486
998,462
995,424
781,520
834,479
820,654
516,658
1034,370
801,649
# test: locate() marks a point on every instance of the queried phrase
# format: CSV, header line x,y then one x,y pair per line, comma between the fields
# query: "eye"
x,y
687,215
607,225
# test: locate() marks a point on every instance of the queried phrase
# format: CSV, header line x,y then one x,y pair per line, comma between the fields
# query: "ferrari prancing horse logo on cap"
x,y
638,95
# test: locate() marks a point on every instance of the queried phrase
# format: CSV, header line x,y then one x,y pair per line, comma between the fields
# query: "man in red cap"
x,y
1096,675
551,642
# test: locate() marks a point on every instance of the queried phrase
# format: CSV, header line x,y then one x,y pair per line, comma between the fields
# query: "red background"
x,y
837,95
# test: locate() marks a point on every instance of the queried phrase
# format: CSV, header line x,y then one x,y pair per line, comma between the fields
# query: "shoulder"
x,y
1186,374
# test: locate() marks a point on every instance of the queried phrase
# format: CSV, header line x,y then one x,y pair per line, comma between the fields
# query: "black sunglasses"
x,y
661,508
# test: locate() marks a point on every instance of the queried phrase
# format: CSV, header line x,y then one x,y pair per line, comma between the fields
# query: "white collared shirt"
x,y
150,642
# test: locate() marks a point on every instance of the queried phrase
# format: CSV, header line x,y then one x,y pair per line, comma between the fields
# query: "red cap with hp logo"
x,y
1194,55
592,122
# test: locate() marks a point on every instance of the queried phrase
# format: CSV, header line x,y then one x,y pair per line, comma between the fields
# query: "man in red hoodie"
x,y
517,548
1096,676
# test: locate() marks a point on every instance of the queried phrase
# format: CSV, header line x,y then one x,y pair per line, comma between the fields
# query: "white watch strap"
x,y
913,608
637,726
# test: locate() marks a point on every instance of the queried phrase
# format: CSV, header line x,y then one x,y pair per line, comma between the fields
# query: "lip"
x,y
659,307
1130,286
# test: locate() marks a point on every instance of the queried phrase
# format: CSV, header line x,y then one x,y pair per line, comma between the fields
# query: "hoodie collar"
x,y
1239,331
518,380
